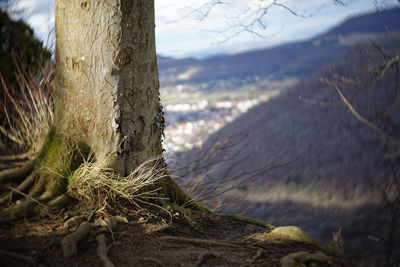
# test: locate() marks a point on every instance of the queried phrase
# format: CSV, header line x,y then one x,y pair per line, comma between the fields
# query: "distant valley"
x,y
195,92
322,166
298,59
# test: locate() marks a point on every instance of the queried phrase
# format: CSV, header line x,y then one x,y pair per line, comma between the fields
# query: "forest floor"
x,y
192,239
151,236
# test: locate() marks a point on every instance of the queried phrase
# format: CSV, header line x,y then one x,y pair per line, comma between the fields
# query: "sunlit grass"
x,y
95,181
29,111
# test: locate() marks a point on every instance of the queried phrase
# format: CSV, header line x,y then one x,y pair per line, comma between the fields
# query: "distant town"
x,y
188,125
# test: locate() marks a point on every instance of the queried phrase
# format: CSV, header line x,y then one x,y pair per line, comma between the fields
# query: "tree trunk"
x,y
107,79
107,101
107,94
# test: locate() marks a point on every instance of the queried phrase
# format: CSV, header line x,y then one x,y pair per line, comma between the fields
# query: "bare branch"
x,y
249,20
358,116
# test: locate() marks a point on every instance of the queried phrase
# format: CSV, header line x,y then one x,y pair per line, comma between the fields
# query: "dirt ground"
x,y
150,236
150,239
191,239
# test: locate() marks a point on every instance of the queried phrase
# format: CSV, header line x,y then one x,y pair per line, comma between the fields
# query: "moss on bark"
x,y
57,158
171,190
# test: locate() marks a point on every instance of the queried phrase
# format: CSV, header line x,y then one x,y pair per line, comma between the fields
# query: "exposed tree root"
x,y
4,167
204,242
171,190
48,172
20,209
298,258
33,206
59,202
161,229
42,181
74,221
260,254
17,174
22,187
20,156
69,243
17,257
253,221
102,250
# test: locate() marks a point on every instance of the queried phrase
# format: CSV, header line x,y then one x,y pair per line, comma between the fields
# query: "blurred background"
x,y
285,111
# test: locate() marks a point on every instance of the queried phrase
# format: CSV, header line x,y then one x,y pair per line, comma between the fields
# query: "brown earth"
x,y
152,236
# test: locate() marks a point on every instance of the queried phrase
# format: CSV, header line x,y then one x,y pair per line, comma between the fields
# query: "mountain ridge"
x,y
336,163
289,59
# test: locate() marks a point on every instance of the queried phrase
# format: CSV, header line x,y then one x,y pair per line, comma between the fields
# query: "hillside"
x,y
200,96
295,59
332,164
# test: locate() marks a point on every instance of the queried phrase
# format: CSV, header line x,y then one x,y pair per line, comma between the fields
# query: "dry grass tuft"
x,y
28,112
97,183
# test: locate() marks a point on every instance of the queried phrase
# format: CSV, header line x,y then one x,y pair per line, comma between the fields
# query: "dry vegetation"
x,y
96,183
28,109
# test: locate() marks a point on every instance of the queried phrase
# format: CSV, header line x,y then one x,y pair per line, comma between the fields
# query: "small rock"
x,y
293,233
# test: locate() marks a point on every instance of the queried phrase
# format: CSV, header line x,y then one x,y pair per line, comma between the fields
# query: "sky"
x,y
183,31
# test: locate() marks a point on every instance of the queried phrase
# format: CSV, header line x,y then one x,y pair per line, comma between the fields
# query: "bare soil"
x,y
150,236
149,239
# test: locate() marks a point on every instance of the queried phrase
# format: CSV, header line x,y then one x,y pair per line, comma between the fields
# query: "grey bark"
x,y
107,89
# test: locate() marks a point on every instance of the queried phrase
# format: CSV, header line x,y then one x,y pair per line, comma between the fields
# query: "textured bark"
x,y
107,93
107,80
107,101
